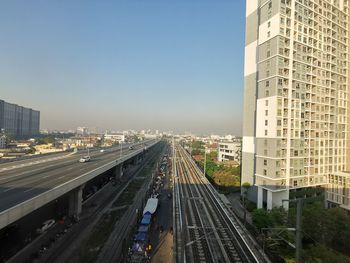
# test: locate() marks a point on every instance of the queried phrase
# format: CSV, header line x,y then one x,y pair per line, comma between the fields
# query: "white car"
x,y
45,226
102,151
85,159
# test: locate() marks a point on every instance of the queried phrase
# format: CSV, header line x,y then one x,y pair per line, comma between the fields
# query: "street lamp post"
x,y
205,161
121,154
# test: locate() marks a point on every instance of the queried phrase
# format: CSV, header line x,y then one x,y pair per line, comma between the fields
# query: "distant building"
x,y
114,137
80,142
150,136
229,137
214,137
82,131
2,141
19,121
229,151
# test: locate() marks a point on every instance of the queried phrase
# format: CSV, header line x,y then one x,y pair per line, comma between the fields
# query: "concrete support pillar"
x,y
75,201
134,160
285,205
269,200
260,197
118,171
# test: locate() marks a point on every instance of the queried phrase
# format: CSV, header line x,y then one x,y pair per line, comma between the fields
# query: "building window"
x,y
266,122
268,34
267,84
265,162
265,132
266,112
265,172
266,103
269,24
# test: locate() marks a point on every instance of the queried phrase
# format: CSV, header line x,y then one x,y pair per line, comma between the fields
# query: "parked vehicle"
x,y
45,226
85,159
131,148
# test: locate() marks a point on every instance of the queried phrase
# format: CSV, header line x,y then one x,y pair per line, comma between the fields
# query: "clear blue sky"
x,y
168,65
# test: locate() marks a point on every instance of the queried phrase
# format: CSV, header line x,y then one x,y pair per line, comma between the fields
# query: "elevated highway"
x,y
30,184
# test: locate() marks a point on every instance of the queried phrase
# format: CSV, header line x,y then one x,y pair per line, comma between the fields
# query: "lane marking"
x,y
32,162
28,190
8,189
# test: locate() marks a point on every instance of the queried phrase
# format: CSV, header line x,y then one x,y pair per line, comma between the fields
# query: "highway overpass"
x,y
30,184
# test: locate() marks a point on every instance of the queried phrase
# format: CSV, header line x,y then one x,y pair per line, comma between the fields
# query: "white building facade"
x,y
295,97
114,137
229,151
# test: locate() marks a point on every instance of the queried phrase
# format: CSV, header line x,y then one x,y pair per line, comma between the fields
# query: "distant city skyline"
x,y
167,66
93,130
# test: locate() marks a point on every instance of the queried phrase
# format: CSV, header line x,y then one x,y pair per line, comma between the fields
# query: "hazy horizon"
x,y
128,65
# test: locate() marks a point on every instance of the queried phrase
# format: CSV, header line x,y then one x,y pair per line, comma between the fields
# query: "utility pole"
x,y
298,227
121,154
298,234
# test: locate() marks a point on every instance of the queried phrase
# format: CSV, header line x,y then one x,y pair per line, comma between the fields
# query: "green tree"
x,y
197,145
45,140
319,254
261,218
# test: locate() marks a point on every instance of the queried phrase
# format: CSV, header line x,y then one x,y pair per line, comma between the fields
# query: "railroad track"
x,y
208,233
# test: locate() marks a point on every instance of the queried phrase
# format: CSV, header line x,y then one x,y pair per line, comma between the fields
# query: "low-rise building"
x,y
83,131
80,142
229,151
114,137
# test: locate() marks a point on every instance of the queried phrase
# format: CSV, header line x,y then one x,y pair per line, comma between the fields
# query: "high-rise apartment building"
x,y
18,121
295,99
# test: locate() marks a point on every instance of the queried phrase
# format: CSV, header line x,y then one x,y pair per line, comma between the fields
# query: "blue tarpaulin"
x,y
143,228
145,221
147,215
141,236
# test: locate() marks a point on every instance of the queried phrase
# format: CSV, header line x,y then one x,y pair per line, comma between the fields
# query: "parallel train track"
x,y
208,234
